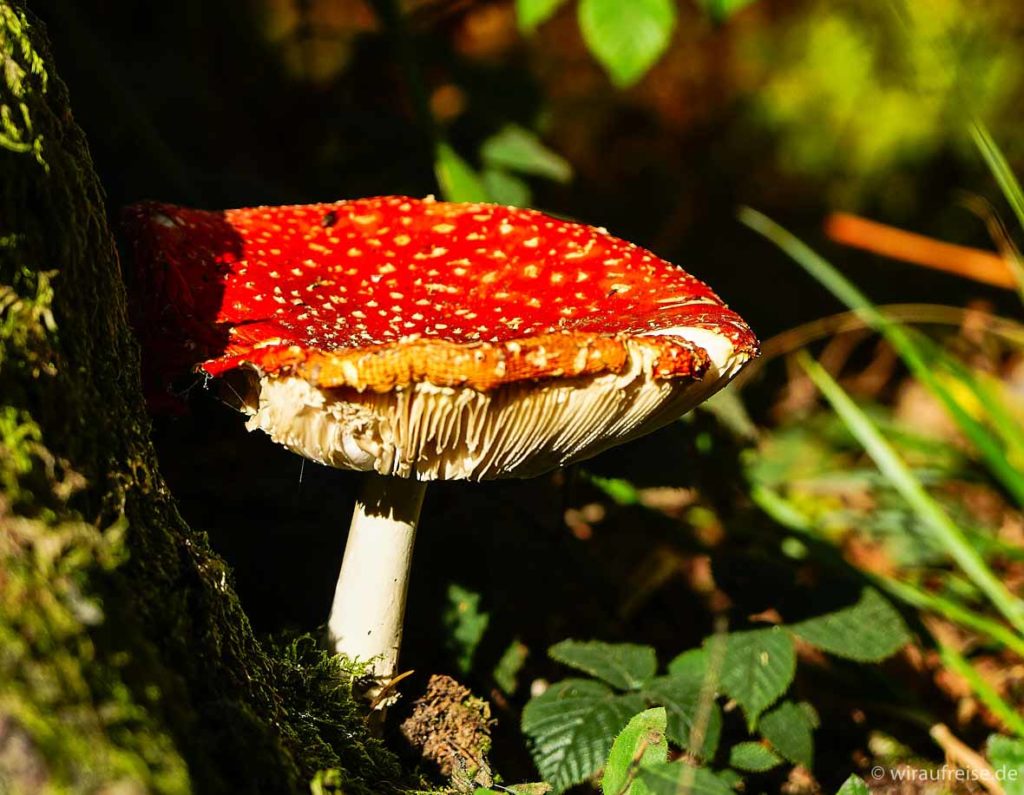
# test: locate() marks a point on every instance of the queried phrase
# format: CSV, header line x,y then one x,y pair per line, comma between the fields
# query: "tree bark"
x,y
125,657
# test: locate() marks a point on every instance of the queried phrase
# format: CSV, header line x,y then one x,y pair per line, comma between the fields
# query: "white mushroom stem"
x,y
369,602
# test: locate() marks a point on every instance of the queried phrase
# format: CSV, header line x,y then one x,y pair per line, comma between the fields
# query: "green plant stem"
x,y
955,661
943,528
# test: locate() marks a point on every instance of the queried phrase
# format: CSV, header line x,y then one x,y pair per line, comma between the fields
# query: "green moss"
x,y
126,660
24,75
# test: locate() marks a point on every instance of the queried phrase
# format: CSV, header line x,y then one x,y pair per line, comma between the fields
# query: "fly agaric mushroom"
x,y
421,340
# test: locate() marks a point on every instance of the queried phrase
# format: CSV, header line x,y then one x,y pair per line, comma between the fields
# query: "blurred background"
x,y
794,107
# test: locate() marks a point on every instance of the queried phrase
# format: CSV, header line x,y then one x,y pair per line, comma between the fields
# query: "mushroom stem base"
x,y
369,602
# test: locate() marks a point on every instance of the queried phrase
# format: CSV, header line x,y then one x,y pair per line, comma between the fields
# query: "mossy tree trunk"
x,y
125,656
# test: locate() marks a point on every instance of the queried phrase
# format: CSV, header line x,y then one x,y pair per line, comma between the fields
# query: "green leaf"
x,y
758,667
680,778
1006,755
517,149
681,695
620,491
811,714
458,181
506,672
571,726
721,10
627,37
731,778
465,625
789,729
868,631
753,757
623,665
641,744
691,663
533,788
505,188
854,785
531,13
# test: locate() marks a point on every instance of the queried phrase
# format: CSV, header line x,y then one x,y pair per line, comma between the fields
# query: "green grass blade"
x,y
1008,184
780,509
947,608
991,449
955,661
889,463
1000,169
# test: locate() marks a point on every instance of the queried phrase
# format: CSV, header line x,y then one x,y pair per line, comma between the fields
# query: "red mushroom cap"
x,y
379,293
425,339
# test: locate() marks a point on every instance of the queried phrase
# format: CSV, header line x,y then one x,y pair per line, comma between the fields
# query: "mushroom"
x,y
419,340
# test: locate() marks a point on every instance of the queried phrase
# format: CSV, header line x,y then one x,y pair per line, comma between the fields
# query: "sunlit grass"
x,y
976,403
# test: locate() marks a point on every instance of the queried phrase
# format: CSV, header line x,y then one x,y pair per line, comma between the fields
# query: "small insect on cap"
x,y
432,340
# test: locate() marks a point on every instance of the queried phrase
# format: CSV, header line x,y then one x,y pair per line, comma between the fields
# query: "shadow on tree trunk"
x,y
125,657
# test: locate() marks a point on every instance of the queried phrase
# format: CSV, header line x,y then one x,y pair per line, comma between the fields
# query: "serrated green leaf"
x,y
623,665
788,729
811,714
854,785
1006,755
531,13
868,631
505,188
680,778
571,726
753,757
517,149
457,179
759,664
641,744
627,38
680,694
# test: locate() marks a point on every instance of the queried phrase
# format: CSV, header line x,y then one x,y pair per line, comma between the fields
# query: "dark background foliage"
x,y
222,104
